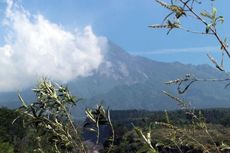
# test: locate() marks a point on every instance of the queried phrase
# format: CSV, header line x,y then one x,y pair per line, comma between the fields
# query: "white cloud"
x,y
35,47
180,50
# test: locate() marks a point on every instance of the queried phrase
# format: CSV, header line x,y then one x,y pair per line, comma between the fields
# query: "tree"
x,y
10,134
49,119
187,10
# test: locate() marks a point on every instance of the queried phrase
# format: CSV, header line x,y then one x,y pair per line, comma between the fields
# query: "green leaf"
x,y
220,19
206,14
224,147
90,115
22,101
91,129
207,28
140,133
214,11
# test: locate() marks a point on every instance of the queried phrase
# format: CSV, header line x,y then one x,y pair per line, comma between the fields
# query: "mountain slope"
x,y
124,81
133,82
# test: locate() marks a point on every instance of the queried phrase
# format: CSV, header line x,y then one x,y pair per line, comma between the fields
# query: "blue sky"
x,y
69,37
125,23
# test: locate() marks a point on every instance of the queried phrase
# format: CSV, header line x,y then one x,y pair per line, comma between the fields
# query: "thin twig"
x,y
113,133
75,130
195,32
205,23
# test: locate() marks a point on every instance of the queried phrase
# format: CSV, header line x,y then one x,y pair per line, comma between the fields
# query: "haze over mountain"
x,y
124,81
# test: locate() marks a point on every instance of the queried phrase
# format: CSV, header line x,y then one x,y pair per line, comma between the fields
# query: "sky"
x,y
69,37
125,23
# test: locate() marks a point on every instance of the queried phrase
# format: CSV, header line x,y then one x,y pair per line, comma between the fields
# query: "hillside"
x,y
132,82
124,81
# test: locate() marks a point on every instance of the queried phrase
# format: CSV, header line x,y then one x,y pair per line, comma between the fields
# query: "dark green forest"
x,y
15,138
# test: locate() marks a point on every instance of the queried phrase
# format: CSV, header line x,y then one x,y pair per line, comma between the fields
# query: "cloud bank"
x,y
35,47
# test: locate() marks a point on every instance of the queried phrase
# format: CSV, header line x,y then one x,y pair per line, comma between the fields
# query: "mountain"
x,y
124,81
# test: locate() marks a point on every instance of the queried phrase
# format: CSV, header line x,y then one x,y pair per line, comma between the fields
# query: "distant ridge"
x,y
124,81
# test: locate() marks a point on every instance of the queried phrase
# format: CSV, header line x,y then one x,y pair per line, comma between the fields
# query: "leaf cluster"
x,y
50,119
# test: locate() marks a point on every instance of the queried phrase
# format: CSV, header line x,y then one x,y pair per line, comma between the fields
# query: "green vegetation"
x,y
50,126
11,135
126,139
6,147
184,134
46,125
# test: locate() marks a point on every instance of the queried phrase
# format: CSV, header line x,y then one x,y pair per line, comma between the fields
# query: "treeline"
x,y
15,138
139,117
11,134
127,140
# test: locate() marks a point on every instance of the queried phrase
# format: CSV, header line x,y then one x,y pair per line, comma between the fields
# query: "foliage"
x,y
6,148
126,139
179,136
188,10
7,130
179,133
51,125
10,134
49,118
100,117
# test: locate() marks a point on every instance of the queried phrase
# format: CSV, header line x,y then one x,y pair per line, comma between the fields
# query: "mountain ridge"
x,y
125,81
